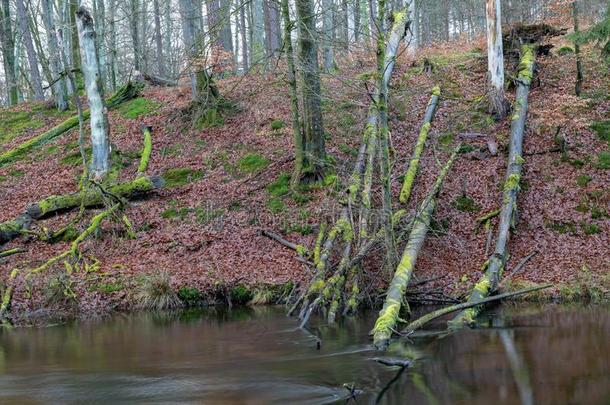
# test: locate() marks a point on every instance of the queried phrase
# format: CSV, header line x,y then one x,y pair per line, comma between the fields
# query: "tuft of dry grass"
x,y
155,292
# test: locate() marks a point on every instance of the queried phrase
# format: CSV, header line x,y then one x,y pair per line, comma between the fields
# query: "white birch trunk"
x,y
100,144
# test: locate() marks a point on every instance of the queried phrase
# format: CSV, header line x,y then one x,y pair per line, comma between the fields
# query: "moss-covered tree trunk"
x,y
297,132
488,283
409,179
389,314
314,150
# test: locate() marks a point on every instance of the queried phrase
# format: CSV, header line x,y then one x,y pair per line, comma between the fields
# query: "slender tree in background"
x,y
99,9
327,33
36,81
498,104
314,153
256,25
579,73
244,43
204,91
8,52
294,97
273,36
159,39
135,33
112,46
100,143
59,88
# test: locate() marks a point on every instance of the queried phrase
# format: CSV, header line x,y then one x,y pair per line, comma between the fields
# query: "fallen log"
x,y
9,230
389,314
420,322
11,252
158,80
125,93
407,185
488,283
146,150
93,197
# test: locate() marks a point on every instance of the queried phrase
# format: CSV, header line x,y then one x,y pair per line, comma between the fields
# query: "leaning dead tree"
x,y
488,283
390,313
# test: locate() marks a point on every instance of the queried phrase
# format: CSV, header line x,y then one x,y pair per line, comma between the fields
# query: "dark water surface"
x,y
525,355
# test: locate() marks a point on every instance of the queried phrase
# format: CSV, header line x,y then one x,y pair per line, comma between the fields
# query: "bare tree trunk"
x,y
356,6
112,44
313,129
244,42
74,50
8,52
327,30
159,39
579,73
413,13
272,26
143,23
57,69
99,11
498,105
100,143
135,33
36,81
294,98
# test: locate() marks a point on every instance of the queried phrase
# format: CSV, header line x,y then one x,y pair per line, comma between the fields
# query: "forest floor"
x,y
205,233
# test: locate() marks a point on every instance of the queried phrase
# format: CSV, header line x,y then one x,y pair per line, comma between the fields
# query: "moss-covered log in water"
x,y
488,283
389,314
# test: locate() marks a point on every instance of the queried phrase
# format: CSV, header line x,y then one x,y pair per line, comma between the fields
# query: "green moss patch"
x,y
590,229
138,107
15,123
602,129
276,125
252,163
466,204
583,180
240,295
565,50
603,160
180,176
190,296
281,186
276,205
563,227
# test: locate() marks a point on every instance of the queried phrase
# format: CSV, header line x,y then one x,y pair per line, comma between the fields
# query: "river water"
x,y
521,355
